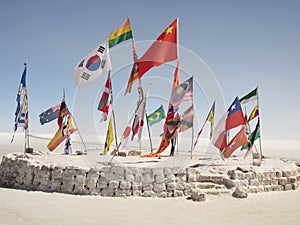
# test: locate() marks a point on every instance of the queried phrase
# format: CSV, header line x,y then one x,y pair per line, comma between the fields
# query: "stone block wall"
x,y
20,171
268,180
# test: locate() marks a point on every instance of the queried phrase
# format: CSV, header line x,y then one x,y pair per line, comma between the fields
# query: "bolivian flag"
x,y
122,33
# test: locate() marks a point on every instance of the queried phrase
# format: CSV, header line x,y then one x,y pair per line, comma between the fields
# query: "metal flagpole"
x,y
200,131
114,121
259,124
150,140
192,137
249,131
85,149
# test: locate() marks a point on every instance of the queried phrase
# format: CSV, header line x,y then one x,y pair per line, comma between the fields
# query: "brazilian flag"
x,y
156,116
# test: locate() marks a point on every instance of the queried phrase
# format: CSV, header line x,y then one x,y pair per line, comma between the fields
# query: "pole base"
x,y
28,150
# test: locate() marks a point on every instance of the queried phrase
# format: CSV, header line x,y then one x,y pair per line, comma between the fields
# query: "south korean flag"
x,y
91,67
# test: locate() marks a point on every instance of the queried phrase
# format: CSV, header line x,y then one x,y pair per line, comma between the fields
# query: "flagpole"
x,y
259,126
248,127
198,135
192,136
114,121
150,140
79,132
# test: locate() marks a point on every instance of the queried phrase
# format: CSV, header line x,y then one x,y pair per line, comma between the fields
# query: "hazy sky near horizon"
x,y
243,44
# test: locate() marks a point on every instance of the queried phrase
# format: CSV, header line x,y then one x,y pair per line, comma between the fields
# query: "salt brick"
x,y
288,187
113,184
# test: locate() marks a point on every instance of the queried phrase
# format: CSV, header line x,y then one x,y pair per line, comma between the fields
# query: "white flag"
x,y
92,66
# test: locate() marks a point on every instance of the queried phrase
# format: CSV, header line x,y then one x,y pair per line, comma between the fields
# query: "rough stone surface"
x,y
240,192
198,196
22,171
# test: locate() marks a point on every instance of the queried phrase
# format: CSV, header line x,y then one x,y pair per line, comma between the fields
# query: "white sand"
x,y
23,207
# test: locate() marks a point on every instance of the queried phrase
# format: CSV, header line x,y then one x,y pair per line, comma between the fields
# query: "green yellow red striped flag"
x,y
122,33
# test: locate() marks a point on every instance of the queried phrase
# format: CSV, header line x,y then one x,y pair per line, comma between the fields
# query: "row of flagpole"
x,y
90,69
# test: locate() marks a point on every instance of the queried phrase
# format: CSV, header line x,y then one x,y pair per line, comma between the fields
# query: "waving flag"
x,y
182,93
138,121
172,126
254,113
61,134
238,140
187,119
49,115
109,135
91,67
65,126
126,135
219,135
134,71
211,118
21,114
249,97
156,116
122,33
164,49
235,116
253,137
106,100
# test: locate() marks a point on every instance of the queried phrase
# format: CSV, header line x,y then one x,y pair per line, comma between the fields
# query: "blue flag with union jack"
x,y
49,115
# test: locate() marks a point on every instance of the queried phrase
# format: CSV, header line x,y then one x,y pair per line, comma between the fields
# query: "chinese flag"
x,y
164,49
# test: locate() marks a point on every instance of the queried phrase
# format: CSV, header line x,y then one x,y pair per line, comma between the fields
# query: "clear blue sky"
x,y
244,43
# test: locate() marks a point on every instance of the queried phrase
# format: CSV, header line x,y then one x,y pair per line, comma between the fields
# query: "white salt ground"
x,y
28,207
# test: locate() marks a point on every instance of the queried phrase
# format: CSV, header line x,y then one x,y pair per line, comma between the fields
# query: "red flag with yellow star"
x,y
163,49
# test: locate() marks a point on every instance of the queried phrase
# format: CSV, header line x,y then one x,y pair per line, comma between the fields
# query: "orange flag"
x,y
163,49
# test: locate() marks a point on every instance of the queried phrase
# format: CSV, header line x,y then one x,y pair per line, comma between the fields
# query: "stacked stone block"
x,y
21,171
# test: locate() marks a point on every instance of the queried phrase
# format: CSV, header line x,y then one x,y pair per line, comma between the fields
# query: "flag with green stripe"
x,y
122,33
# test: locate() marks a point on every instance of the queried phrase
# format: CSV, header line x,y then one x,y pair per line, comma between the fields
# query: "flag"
x,y
138,112
63,111
235,115
64,122
172,126
249,97
125,136
21,114
238,140
61,134
106,100
253,137
49,115
68,148
175,82
163,49
211,118
134,71
92,66
109,135
254,113
219,134
122,33
182,93
187,119
156,116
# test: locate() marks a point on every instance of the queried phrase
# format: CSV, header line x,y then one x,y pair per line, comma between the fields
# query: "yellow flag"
x,y
109,135
210,118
